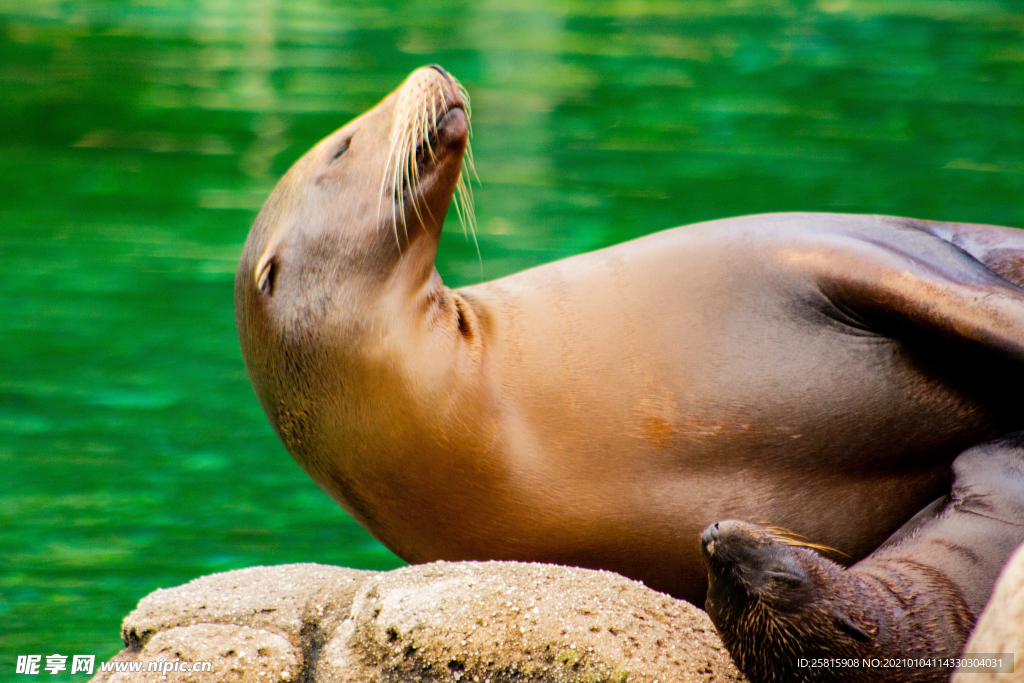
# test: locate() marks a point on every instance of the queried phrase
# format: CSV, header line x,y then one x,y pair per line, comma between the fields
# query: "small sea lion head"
x,y
774,598
339,263
749,563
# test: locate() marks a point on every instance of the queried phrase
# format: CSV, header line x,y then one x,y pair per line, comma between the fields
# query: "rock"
x,y
291,599
461,621
236,653
1001,626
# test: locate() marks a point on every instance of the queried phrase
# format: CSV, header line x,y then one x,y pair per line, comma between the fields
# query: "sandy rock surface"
x,y
460,621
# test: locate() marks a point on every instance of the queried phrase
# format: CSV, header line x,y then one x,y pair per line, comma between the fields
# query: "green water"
x,y
138,139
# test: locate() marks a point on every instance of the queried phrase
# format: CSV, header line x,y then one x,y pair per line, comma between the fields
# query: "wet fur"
x,y
917,596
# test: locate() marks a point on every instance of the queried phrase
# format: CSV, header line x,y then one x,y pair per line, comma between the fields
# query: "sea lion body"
x,y
816,371
780,607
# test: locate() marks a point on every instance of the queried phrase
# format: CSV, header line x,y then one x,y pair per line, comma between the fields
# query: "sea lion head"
x,y
774,599
336,293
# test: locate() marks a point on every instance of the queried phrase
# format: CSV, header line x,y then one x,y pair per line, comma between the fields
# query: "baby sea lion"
x,y
816,371
786,613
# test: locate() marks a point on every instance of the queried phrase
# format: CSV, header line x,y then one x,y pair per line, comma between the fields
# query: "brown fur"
x,y
816,371
916,597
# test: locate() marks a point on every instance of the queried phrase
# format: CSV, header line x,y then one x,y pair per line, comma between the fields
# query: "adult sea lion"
x,y
819,372
785,613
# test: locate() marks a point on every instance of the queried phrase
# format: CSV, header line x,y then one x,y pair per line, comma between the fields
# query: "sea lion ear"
x,y
265,271
846,625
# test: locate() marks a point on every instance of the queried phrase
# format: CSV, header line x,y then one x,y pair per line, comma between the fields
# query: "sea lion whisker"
x,y
413,169
464,94
383,184
467,215
468,108
469,162
418,137
395,171
410,182
399,184
422,124
465,211
464,189
458,212
464,192
409,168
458,200
429,127
433,125
792,538
400,137
469,208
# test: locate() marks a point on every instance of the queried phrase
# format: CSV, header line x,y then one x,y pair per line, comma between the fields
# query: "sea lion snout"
x,y
429,135
751,560
728,544
708,540
453,127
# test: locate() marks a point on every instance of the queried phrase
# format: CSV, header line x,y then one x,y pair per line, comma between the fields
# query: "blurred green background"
x,y
138,140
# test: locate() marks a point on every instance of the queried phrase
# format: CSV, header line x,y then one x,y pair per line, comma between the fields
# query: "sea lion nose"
x,y
709,536
439,68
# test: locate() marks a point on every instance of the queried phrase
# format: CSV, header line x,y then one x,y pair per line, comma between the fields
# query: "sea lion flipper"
x,y
966,537
993,468
930,290
916,522
1001,249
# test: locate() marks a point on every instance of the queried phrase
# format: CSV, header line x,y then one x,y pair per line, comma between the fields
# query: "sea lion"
x,y
786,613
816,371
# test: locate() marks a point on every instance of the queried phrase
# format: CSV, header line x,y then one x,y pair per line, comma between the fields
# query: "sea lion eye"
x,y
341,150
786,578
